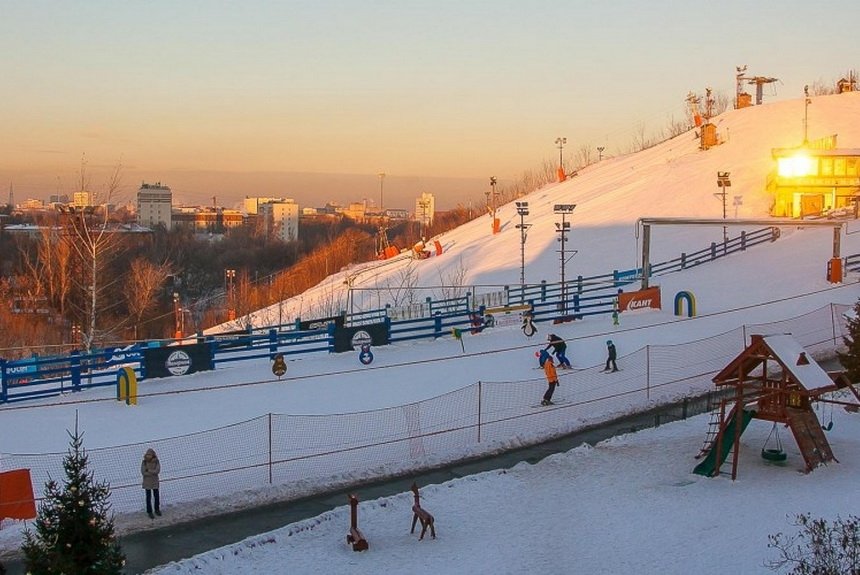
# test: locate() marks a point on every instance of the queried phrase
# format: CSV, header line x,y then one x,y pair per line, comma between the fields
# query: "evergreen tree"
x,y
74,532
850,360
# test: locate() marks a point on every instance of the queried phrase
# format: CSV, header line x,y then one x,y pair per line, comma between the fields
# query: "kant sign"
x,y
642,299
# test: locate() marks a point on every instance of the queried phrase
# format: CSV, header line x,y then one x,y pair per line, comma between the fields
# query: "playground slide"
x,y
707,466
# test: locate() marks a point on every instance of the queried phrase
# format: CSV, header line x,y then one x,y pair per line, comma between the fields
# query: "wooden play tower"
x,y
773,379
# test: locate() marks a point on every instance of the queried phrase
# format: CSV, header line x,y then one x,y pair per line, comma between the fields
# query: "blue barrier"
x,y
585,296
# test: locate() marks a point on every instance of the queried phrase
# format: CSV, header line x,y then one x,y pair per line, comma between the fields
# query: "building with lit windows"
x,y
815,179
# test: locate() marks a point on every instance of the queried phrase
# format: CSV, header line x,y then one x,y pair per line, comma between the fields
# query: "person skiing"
x,y
559,349
150,467
545,361
610,358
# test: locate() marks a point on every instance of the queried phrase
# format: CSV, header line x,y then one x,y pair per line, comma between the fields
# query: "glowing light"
x,y
797,166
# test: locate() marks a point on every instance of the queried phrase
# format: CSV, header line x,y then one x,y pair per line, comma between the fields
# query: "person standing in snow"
x,y
611,355
559,349
150,467
545,361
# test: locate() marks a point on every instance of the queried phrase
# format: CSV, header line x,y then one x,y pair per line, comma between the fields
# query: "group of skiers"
x,y
559,349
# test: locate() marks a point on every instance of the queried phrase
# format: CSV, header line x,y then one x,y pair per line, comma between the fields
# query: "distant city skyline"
x,y
317,98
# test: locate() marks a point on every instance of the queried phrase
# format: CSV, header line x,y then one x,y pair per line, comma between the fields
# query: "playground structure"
x,y
422,515
775,380
355,537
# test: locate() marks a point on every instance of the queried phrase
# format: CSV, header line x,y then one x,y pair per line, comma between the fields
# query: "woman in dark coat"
x,y
150,467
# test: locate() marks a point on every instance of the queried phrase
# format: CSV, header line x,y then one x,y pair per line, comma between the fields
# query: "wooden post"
x,y
355,537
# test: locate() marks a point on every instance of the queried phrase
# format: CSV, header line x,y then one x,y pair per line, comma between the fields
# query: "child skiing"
x,y
610,359
546,363
559,348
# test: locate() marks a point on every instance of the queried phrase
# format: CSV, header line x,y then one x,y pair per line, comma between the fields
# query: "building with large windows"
x,y
280,219
154,205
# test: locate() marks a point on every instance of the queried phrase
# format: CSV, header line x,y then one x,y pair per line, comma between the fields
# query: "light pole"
x,y
523,211
562,229
424,203
806,103
491,204
560,142
600,152
177,317
381,197
723,182
229,277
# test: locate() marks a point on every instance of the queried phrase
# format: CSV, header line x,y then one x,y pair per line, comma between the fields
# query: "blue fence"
x,y
584,296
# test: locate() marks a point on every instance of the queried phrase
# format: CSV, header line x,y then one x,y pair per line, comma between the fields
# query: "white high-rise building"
x,y
252,205
281,219
425,207
154,204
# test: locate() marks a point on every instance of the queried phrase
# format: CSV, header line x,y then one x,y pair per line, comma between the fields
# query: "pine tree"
x,y
850,360
74,531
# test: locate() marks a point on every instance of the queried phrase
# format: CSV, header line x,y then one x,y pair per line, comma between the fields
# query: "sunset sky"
x,y
229,98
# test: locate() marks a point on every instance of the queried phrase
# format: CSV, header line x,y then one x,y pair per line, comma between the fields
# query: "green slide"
x,y
707,466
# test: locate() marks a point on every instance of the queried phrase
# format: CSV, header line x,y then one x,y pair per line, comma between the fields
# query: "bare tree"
x,y
145,281
452,284
94,243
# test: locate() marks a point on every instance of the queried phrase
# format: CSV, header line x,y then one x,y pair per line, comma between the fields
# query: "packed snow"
x,y
628,504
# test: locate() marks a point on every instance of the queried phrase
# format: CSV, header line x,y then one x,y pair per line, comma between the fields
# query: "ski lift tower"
x,y
759,82
742,99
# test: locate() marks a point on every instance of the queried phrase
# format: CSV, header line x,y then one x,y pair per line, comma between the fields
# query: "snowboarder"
x,y
545,361
150,467
559,349
610,358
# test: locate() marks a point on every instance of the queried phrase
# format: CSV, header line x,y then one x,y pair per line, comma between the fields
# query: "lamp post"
x,y
560,142
229,278
562,229
424,203
523,211
177,317
723,182
806,103
600,152
491,204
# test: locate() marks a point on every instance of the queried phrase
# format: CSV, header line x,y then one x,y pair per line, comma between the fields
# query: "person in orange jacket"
x,y
545,361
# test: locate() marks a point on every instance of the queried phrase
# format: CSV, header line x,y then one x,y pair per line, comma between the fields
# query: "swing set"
x,y
773,380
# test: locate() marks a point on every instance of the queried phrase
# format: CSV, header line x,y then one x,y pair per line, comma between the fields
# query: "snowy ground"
x,y
627,505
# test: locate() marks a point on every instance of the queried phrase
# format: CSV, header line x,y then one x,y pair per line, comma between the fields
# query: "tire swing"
x,y
775,454
829,424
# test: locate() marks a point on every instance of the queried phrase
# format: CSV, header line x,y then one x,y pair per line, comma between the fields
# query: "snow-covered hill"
x,y
672,179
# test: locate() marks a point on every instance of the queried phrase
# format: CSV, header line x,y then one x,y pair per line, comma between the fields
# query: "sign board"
x,y
349,338
309,324
642,299
505,316
177,360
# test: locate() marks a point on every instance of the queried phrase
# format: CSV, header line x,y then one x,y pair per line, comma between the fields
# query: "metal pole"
x,y
522,250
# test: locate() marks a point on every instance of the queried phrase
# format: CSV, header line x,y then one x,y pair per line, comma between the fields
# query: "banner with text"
x,y
642,299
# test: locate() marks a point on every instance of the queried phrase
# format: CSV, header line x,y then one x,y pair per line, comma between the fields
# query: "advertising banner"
x,y
176,360
642,299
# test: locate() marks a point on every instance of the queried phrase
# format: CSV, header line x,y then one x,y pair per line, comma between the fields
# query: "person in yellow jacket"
x,y
545,361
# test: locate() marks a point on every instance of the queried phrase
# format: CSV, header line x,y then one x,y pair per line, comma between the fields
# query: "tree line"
x,y
86,279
